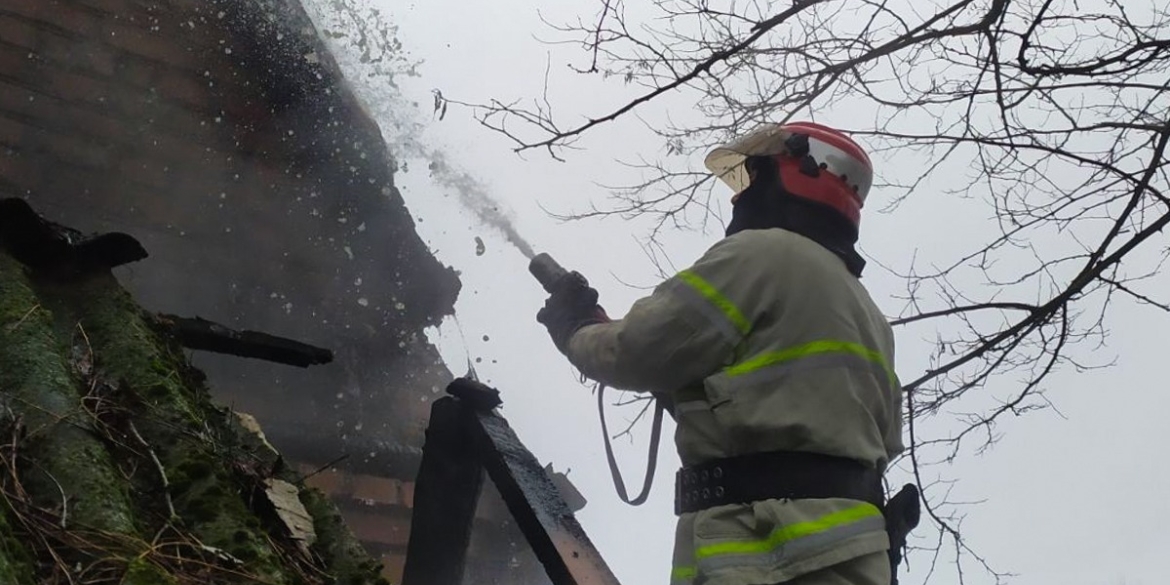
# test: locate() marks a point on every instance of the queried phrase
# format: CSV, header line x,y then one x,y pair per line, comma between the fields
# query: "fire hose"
x,y
552,276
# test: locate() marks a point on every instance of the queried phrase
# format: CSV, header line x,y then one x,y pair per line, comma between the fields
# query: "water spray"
x,y
473,195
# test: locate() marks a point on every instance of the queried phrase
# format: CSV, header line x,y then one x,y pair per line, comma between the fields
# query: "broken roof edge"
x,y
303,78
286,32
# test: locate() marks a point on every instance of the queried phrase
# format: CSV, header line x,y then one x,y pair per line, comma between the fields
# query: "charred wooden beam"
x,y
50,248
445,496
201,334
43,245
548,523
487,441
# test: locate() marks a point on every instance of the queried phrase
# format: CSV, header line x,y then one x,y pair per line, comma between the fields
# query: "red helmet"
x,y
815,162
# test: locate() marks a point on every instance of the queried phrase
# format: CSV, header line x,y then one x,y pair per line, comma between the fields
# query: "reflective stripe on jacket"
x,y
767,343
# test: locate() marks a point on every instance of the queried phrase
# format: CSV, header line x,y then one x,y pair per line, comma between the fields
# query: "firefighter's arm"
x,y
687,329
893,438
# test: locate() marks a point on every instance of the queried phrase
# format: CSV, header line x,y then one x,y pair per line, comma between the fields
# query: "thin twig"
x,y
14,326
335,461
162,473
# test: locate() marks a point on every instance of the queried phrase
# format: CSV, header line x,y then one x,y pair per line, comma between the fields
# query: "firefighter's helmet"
x,y
815,162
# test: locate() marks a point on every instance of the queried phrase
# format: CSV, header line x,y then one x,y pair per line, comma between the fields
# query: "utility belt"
x,y
794,475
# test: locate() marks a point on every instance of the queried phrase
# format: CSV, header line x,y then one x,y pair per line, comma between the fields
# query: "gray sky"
x,y
1066,500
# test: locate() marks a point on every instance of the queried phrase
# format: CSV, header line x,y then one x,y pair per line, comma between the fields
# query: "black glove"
x,y
572,305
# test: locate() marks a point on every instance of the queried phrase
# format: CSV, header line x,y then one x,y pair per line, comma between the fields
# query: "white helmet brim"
x,y
726,161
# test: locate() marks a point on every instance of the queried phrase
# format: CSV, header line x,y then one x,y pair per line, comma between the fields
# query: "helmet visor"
x,y
726,161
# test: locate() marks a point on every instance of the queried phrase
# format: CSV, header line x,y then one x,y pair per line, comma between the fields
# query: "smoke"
x,y
472,193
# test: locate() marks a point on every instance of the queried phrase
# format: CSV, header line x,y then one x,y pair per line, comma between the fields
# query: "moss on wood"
x,y
204,488
15,563
72,470
102,412
337,545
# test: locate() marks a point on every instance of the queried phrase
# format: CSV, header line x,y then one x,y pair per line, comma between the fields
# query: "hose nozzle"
x,y
547,271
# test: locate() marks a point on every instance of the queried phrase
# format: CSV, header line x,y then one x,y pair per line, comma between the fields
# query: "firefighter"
x,y
777,367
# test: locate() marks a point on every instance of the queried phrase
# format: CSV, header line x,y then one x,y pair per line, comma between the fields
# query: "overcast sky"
x,y
1076,499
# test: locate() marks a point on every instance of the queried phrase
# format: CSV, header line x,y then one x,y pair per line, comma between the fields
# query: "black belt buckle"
x,y
699,487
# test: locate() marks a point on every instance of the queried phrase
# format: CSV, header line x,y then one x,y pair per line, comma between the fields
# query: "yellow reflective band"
x,y
789,533
683,573
811,349
716,298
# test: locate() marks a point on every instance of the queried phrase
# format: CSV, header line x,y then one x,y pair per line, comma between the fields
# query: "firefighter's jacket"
x,y
767,343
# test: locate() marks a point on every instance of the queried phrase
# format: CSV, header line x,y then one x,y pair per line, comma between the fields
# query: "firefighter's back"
x,y
814,374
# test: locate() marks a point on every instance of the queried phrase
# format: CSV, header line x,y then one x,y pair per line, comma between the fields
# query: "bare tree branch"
x,y
1046,121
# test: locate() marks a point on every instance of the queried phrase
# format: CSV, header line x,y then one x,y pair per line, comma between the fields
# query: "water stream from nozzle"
x,y
474,196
